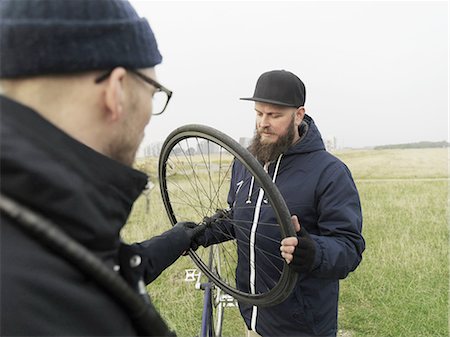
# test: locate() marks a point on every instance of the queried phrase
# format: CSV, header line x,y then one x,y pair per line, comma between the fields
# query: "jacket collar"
x,y
310,138
43,167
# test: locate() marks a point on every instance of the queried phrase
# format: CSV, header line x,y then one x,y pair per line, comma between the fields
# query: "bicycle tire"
x,y
287,278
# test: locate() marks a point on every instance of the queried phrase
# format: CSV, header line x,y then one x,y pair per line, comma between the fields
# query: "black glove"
x,y
210,222
193,232
216,218
304,253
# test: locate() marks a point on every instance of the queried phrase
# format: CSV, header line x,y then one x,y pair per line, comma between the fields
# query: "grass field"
x,y
401,287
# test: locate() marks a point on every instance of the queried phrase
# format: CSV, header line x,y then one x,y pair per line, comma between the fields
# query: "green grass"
x,y
178,301
397,164
400,288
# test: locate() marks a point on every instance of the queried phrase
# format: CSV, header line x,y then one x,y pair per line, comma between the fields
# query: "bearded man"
x,y
325,207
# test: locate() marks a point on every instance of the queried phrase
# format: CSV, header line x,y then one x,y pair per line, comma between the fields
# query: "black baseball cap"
x,y
279,87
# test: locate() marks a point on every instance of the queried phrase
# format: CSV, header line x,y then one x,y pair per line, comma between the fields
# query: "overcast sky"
x,y
375,72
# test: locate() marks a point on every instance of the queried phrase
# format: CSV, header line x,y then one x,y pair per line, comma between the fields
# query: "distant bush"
x,y
419,145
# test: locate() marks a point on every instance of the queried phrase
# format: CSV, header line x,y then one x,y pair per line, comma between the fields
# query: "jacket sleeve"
x,y
156,254
340,243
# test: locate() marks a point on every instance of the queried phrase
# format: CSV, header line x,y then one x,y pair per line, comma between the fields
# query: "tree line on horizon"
x,y
418,145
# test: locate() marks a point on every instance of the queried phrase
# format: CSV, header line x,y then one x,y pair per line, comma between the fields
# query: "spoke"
x,y
199,189
194,187
207,166
240,249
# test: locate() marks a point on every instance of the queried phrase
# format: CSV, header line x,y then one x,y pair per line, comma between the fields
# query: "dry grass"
x,y
401,287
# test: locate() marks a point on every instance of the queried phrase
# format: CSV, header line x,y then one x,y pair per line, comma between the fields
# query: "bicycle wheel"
x,y
196,165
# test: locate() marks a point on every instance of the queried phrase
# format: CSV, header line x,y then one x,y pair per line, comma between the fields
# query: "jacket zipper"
x,y
253,235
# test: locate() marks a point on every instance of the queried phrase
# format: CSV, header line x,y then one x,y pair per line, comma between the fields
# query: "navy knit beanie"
x,y
39,37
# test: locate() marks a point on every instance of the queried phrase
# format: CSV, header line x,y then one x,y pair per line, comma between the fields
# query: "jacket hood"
x,y
310,138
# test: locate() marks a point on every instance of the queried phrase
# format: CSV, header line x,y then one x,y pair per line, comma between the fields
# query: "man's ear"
x,y
114,94
299,115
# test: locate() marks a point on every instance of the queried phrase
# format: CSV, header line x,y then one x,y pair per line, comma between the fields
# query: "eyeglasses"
x,y
161,96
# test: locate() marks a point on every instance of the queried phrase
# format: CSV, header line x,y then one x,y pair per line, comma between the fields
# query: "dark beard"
x,y
270,152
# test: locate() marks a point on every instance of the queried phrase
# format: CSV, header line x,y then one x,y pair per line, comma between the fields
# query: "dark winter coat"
x,y
319,189
89,197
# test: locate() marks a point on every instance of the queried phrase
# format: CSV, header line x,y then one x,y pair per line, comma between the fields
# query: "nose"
x,y
264,121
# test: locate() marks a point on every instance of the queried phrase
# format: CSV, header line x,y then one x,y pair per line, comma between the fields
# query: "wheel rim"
x,y
195,168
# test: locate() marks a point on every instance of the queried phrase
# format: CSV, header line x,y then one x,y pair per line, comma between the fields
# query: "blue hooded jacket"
x,y
319,189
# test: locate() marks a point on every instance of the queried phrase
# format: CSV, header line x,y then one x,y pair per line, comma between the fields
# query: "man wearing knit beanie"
x,y
77,80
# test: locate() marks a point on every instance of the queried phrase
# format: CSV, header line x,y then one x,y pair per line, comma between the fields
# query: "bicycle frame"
x,y
207,319
213,296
